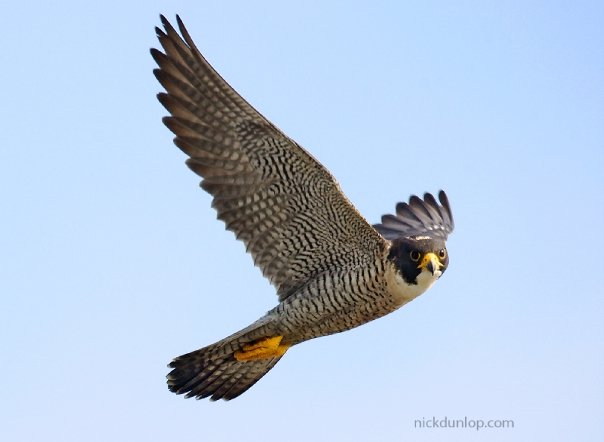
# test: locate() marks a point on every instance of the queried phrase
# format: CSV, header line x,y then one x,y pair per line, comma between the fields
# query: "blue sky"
x,y
113,262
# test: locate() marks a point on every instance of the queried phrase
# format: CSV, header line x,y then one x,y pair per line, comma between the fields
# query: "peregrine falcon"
x,y
332,270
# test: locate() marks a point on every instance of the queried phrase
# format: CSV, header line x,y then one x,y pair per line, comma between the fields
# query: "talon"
x,y
262,349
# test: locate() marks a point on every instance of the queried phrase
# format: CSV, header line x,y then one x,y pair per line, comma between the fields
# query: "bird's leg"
x,y
262,349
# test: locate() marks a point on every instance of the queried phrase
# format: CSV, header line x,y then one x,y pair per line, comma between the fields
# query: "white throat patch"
x,y
402,292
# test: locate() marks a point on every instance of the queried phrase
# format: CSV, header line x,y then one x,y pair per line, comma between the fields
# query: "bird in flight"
x,y
332,270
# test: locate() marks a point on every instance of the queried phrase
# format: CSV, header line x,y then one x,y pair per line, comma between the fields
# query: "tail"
x,y
219,371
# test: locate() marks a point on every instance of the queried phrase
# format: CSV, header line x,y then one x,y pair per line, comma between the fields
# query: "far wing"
x,y
419,217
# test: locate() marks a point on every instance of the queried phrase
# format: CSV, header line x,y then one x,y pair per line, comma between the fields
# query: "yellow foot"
x,y
262,349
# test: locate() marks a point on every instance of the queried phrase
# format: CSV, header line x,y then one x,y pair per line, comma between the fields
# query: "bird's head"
x,y
417,235
421,260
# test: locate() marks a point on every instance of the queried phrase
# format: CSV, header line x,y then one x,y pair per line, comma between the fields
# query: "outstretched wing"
x,y
419,217
285,206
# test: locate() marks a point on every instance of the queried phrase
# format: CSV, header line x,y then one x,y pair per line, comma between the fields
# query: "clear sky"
x,y
112,261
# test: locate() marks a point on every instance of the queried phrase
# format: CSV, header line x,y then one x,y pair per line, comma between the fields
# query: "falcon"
x,y
331,269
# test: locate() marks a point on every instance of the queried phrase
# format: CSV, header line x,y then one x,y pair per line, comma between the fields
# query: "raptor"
x,y
332,270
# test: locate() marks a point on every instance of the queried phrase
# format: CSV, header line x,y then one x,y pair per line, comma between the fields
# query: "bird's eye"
x,y
442,253
414,255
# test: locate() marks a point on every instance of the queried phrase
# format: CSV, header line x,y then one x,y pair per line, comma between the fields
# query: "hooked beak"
x,y
431,263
